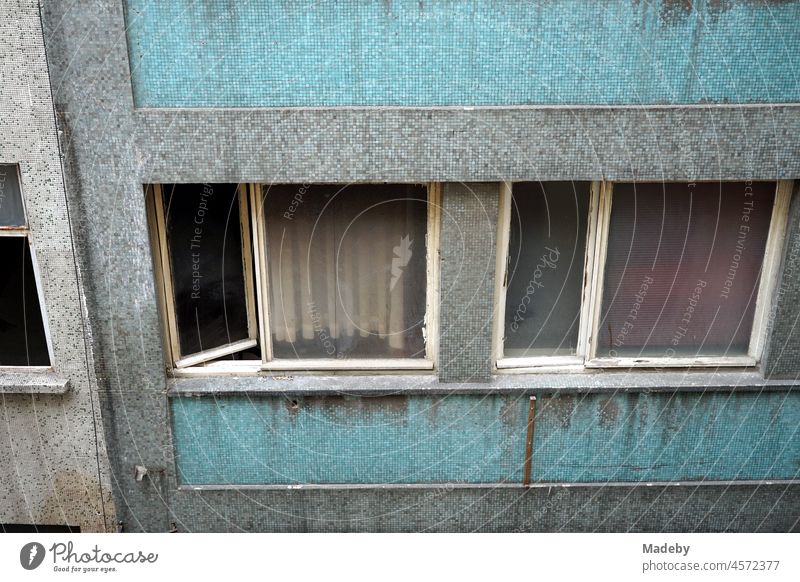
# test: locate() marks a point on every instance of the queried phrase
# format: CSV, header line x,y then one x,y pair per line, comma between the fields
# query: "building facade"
x,y
355,266
55,474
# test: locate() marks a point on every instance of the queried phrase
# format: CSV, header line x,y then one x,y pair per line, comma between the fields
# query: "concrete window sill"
x,y
32,382
591,381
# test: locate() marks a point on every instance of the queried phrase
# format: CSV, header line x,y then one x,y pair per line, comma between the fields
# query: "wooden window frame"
x,y
165,282
255,253
538,363
24,231
591,298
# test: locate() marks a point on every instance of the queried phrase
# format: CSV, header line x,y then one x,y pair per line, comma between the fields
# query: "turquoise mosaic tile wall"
x,y
270,53
246,441
668,437
472,439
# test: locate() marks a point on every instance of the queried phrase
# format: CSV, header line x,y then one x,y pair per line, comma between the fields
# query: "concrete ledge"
x,y
46,382
577,383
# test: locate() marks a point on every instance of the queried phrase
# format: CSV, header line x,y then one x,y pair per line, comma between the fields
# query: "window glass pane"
x,y
12,212
347,270
547,248
205,250
683,267
22,337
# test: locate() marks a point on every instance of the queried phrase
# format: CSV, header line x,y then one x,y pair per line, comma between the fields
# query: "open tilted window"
x,y
206,270
637,274
23,335
297,277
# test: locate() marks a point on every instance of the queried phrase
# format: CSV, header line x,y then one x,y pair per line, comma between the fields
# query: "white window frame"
x,y
24,231
550,363
591,296
164,278
258,296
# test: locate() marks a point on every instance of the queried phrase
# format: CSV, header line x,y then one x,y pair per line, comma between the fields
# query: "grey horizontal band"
x,y
758,142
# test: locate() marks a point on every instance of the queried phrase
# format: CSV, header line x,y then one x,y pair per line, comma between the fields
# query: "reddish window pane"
x,y
683,267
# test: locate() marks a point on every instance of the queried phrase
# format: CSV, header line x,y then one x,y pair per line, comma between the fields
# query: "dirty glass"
x,y
347,270
12,212
683,268
22,335
205,251
546,253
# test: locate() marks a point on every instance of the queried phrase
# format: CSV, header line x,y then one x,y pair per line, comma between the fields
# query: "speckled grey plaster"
x,y
53,464
111,149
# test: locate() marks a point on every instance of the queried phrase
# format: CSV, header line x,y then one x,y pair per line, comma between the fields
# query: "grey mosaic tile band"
x,y
477,145
442,509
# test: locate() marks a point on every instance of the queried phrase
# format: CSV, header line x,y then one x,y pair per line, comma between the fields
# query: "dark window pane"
x,y
35,528
22,337
205,251
547,248
347,270
683,268
12,212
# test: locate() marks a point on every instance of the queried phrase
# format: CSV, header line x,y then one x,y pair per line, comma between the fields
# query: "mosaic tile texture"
x,y
574,509
379,440
53,464
469,216
437,53
482,145
667,437
111,149
461,439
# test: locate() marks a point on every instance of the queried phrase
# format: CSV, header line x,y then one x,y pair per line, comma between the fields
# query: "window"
x,y
297,277
547,233
637,274
23,339
206,272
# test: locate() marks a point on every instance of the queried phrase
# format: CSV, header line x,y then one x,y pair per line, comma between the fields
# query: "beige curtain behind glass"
x,y
347,270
